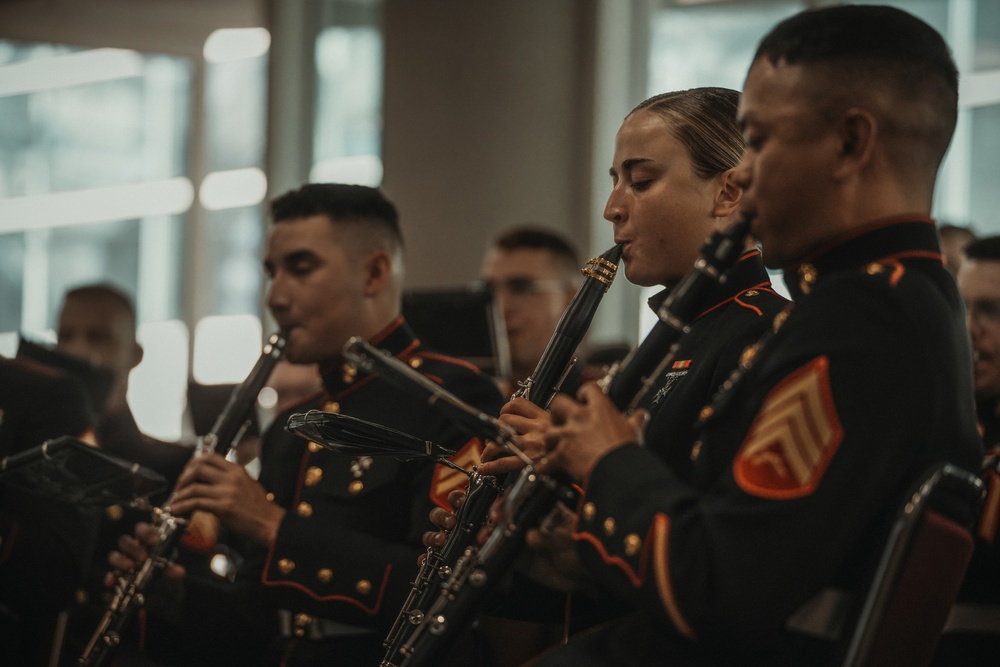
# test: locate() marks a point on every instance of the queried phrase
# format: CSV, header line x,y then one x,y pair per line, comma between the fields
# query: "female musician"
x,y
672,187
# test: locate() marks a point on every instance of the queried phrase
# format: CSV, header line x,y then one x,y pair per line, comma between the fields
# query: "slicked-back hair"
x,y
984,249
884,51
704,120
359,208
536,237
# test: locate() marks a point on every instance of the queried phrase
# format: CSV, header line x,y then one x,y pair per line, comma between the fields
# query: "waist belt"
x,y
966,617
307,626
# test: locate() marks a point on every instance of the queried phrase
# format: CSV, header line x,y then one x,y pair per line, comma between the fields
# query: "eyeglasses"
x,y
520,288
984,313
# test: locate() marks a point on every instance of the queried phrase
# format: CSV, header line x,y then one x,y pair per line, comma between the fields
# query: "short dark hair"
x,y
103,291
343,204
704,120
986,248
536,237
885,49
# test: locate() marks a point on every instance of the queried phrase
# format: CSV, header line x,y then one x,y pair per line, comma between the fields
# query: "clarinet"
x,y
534,497
543,383
131,589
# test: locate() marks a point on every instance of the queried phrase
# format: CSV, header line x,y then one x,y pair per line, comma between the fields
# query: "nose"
x,y
277,297
615,210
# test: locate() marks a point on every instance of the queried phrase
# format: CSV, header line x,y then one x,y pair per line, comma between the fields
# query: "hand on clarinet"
x,y
584,430
133,550
531,423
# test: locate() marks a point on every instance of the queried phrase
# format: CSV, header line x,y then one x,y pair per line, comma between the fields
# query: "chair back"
x,y
920,572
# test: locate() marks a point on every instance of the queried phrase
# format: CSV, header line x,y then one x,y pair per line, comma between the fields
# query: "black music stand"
x,y
463,323
69,470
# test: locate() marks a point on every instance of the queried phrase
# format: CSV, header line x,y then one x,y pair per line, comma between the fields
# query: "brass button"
x,y
696,450
609,526
706,413
416,362
779,319
331,406
355,487
364,586
632,544
325,575
114,512
874,268
589,510
269,496
807,277
748,355
751,292
313,475
302,621
348,373
80,596
286,565
315,447
304,509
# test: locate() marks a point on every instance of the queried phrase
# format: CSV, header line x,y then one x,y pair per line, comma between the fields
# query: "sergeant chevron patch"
x,y
793,437
448,479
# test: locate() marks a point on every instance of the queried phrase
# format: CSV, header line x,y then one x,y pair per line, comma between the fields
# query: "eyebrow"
x,y
630,163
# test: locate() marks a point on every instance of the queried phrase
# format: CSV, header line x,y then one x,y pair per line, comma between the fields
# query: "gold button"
x,y
304,509
331,406
313,475
748,355
751,292
807,276
302,621
80,595
286,565
416,362
325,575
114,512
589,510
363,586
355,487
779,319
348,373
270,496
609,526
696,450
632,544
706,413
874,268
315,447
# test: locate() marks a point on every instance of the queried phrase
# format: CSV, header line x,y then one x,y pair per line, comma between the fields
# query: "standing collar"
x,y
397,338
747,273
895,238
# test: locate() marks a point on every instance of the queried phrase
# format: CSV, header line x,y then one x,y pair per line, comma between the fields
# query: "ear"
x,y
728,195
858,133
377,268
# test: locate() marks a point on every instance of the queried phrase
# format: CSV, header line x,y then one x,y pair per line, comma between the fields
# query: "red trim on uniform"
x,y
764,286
371,611
450,360
382,335
635,578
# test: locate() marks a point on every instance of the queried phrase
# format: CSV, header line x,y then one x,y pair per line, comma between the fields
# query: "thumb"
x,y
638,420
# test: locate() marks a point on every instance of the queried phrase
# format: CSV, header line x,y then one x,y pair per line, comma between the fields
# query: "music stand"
x,y
69,470
463,323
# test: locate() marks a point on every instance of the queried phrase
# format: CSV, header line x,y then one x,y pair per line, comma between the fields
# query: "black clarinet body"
x,y
130,590
545,382
534,497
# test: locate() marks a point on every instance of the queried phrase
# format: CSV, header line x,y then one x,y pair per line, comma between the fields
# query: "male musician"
x,y
335,539
972,634
97,323
534,274
800,464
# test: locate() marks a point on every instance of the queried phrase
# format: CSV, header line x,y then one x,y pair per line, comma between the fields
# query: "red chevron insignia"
x,y
792,439
448,479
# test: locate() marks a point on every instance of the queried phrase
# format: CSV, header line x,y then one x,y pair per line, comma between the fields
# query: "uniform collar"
x,y
397,338
747,273
894,238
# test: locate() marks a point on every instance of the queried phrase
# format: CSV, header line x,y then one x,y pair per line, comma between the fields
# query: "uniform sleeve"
x,y
821,442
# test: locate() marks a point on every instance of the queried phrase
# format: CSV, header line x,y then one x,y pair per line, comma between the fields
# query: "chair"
x,y
920,572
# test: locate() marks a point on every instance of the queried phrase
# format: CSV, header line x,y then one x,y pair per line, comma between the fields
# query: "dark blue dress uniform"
x,y
348,547
798,469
